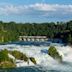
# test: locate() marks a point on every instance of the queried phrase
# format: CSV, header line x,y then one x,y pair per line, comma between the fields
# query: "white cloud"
x,y
11,9
51,7
25,9
42,7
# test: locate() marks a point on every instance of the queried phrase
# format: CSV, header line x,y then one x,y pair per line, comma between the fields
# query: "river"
x,y
39,50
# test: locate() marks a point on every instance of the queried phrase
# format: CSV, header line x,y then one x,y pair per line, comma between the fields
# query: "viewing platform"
x,y
33,38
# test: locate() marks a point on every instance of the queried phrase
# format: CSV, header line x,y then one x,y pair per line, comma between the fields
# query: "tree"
x,y
69,38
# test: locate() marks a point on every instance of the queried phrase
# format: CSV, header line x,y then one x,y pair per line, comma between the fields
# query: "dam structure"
x,y
33,38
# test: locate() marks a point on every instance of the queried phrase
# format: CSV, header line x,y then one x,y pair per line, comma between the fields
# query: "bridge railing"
x,y
33,38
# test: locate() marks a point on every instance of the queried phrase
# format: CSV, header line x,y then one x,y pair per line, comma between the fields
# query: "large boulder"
x,y
19,55
54,54
7,64
32,59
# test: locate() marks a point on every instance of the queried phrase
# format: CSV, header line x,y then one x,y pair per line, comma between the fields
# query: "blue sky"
x,y
35,10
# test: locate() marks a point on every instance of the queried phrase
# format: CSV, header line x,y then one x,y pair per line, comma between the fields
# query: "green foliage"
x,y
54,53
11,31
33,60
4,55
5,61
19,55
69,38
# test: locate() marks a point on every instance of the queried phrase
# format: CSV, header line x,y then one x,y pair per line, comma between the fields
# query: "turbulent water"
x,y
39,51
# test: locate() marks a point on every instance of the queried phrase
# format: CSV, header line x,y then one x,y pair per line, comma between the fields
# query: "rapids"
x,y
45,63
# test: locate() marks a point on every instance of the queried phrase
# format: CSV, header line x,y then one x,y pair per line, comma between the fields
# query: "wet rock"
x,y
54,54
33,60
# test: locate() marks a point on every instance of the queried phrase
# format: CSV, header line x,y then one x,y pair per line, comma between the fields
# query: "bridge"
x,y
33,38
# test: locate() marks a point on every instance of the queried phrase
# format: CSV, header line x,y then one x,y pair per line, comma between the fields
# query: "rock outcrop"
x,y
5,60
54,54
8,58
19,55
32,59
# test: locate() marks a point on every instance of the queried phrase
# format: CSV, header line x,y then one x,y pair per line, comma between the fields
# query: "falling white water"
x,y
40,53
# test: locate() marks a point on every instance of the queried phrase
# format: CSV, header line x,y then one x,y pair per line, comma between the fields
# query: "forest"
x,y
10,31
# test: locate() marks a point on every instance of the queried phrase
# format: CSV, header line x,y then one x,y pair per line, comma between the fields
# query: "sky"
x,y
35,10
